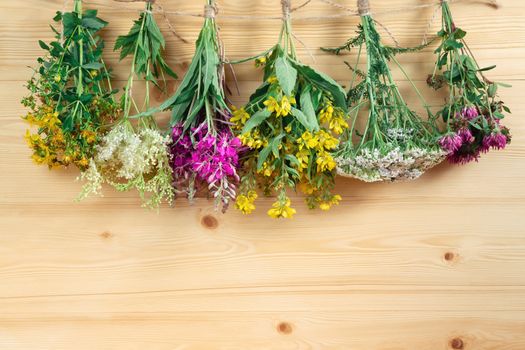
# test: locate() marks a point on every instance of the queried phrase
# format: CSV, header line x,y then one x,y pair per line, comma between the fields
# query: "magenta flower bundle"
x,y
471,134
203,159
204,152
473,112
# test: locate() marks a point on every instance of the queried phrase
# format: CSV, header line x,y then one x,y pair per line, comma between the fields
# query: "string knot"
x,y
210,11
286,6
363,7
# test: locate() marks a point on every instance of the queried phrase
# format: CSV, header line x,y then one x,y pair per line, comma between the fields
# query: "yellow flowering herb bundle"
x,y
290,127
135,155
70,96
393,143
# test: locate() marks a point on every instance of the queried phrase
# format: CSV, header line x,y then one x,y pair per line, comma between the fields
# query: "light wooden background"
x,y
434,264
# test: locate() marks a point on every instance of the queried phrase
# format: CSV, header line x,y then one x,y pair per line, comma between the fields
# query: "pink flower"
x,y
469,113
495,140
466,135
451,142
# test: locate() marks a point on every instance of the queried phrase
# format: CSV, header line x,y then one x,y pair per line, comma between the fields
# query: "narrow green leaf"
x,y
255,120
286,74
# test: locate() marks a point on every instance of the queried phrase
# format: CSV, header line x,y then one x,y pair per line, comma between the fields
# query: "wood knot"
x,y
457,344
106,235
284,328
449,256
210,222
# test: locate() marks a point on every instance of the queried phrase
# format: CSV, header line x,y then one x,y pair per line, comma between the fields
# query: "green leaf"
x,y
255,120
323,82
43,45
302,118
487,68
308,108
93,23
93,65
275,145
286,74
263,155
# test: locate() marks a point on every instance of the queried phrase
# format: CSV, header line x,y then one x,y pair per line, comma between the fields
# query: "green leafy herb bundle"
x,y
70,96
289,125
473,112
395,144
204,151
135,155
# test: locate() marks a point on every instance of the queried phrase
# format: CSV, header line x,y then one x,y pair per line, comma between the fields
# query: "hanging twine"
x,y
286,8
363,7
210,11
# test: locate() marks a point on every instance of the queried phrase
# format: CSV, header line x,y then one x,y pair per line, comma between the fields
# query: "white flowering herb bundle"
x,y
395,143
203,149
290,126
70,96
473,112
135,155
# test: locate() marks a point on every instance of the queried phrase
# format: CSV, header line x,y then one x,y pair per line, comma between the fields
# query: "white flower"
x,y
129,159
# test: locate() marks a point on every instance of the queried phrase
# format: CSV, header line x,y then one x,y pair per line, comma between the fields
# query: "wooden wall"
x,y
434,264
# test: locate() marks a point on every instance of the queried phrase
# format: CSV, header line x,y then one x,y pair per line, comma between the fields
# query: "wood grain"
x,y
430,265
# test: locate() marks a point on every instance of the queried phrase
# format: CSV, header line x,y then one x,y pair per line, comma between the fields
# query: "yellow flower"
x,y
93,73
245,202
266,170
327,141
282,209
58,78
272,80
308,139
253,140
338,124
326,205
32,139
286,105
288,128
326,114
82,163
261,61
89,136
303,156
239,117
272,105
307,188
325,162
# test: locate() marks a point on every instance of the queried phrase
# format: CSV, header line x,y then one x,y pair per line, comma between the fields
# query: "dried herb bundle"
x,y
473,112
289,125
70,93
204,151
395,144
136,156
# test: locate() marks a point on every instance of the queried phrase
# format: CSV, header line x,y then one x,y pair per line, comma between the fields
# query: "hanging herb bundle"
x,y
473,112
203,149
396,144
289,125
133,156
70,95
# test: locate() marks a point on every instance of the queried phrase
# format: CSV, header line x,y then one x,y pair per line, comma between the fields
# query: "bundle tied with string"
x,y
203,149
134,156
392,143
289,128
473,113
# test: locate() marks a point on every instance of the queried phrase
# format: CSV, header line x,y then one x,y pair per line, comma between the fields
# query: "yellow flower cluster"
x,y
321,142
51,146
239,117
244,202
327,204
280,108
282,209
334,118
253,139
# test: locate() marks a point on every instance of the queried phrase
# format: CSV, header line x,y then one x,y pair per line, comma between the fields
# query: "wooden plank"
x,y
433,264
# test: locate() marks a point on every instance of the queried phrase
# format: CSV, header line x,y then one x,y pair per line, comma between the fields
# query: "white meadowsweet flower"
x,y
129,159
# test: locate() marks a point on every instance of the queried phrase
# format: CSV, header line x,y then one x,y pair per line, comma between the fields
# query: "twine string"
x,y
363,8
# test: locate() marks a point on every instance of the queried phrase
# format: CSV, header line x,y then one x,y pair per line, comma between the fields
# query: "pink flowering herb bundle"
x,y
204,151
473,112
